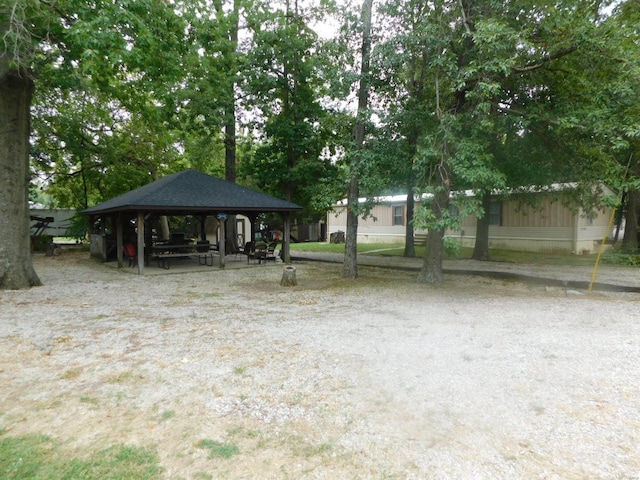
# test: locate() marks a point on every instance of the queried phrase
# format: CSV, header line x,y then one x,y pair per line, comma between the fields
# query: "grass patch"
x,y
71,374
167,415
120,378
218,449
464,253
41,457
318,450
202,476
339,247
89,400
241,370
535,258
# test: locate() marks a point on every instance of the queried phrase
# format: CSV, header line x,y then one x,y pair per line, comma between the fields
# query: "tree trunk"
x,y
630,239
350,265
431,271
481,247
16,92
409,241
230,107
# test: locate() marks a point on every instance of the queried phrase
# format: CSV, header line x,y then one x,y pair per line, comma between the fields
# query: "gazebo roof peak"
x,y
192,192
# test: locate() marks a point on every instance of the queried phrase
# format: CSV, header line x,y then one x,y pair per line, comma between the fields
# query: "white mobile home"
x,y
550,226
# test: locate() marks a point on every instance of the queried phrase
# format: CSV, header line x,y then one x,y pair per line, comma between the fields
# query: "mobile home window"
x,y
398,215
495,213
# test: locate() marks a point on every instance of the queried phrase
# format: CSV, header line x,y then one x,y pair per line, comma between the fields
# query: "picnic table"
x,y
164,252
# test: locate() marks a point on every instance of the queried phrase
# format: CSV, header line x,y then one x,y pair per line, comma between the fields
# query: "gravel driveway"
x,y
332,379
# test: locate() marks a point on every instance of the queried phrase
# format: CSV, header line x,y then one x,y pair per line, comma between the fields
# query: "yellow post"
x,y
601,249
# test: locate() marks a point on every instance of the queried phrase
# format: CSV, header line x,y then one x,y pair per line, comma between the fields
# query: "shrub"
x,y
451,247
617,256
39,243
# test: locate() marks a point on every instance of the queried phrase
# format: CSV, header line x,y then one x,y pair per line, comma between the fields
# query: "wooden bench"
x,y
164,259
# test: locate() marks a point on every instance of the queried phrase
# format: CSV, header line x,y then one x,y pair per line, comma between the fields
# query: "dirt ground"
x,y
332,379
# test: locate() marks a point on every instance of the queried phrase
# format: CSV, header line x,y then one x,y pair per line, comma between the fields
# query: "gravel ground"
x,y
332,379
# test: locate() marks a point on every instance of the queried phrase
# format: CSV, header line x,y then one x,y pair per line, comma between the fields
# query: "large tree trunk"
x,y
431,271
16,92
350,265
481,247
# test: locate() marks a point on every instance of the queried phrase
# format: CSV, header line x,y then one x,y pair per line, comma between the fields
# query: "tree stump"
x,y
289,277
52,250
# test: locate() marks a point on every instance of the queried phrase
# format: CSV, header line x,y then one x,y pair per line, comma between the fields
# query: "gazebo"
x,y
188,193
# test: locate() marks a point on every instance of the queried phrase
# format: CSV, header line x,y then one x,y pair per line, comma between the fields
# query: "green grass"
x,y
536,258
218,449
497,255
167,415
40,457
339,247
89,400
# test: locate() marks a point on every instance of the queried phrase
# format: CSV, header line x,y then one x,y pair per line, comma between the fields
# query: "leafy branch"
x,y
16,36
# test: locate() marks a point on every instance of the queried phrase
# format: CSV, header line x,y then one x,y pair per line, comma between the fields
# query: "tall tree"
x,y
283,87
350,265
624,118
124,57
402,86
209,111
16,93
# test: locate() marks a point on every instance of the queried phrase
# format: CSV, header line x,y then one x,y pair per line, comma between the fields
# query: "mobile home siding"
x,y
377,227
548,226
548,214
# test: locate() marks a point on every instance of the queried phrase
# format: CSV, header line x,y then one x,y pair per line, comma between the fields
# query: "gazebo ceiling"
x,y
192,192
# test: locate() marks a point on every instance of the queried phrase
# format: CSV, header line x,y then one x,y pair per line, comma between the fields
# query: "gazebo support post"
x,y
252,225
140,226
203,230
286,254
103,234
221,243
119,242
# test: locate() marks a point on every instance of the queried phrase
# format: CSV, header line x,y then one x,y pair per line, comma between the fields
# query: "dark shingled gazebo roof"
x,y
191,192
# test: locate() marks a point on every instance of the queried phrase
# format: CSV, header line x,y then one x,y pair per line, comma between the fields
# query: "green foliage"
x,y
451,247
39,244
41,457
284,80
426,219
111,69
618,256
78,228
495,95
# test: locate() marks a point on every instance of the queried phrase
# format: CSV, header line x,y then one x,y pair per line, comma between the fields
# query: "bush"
x,y
617,256
39,244
451,247
79,228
